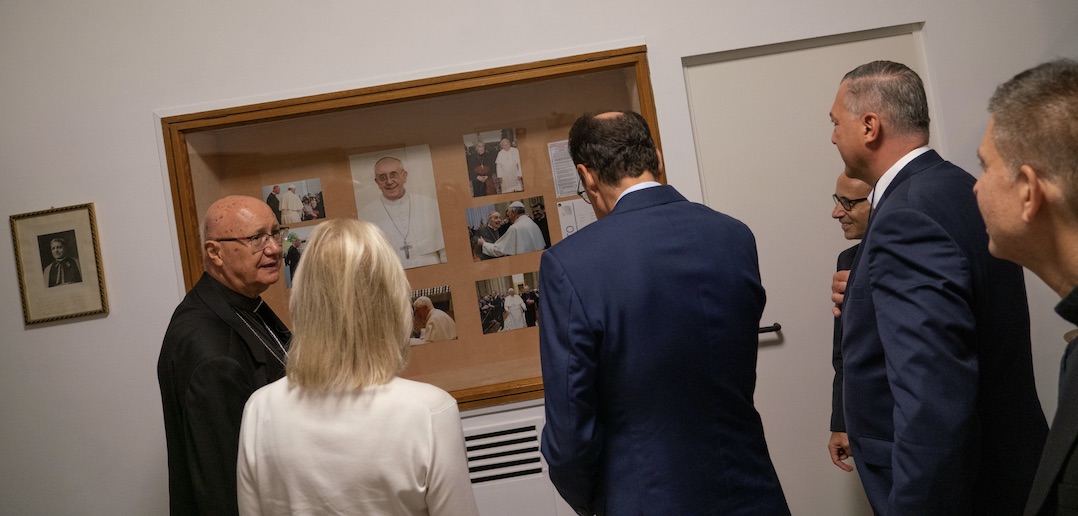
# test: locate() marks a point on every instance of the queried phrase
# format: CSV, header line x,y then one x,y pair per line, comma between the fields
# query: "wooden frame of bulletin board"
x,y
323,148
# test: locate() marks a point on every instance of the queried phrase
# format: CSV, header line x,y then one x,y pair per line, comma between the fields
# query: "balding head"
x,y
235,263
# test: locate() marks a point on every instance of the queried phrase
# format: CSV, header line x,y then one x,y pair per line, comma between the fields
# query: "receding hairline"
x,y
384,159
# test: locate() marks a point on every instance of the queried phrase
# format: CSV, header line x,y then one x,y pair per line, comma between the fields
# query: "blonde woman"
x,y
341,433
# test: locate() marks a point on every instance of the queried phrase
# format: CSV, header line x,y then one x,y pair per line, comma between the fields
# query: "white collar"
x,y
889,176
637,187
395,202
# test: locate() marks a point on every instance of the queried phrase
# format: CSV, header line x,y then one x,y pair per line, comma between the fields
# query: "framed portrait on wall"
x,y
428,161
58,260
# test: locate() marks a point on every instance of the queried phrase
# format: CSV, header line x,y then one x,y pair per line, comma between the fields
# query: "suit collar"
x,y
927,159
647,198
888,177
1068,307
636,188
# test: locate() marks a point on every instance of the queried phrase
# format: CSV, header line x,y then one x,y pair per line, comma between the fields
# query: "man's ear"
x,y
870,127
586,176
213,251
1032,190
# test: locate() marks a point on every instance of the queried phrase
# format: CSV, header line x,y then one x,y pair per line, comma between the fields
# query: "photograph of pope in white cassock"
x,y
519,234
395,190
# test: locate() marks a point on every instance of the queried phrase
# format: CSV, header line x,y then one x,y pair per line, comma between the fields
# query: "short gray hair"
x,y
1035,119
891,90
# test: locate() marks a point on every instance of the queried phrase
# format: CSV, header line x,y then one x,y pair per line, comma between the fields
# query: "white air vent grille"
x,y
508,453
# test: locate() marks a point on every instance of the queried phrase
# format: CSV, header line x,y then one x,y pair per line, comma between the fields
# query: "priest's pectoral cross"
x,y
406,247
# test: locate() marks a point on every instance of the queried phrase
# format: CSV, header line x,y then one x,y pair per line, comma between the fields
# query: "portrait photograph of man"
x,y
59,259
433,318
395,190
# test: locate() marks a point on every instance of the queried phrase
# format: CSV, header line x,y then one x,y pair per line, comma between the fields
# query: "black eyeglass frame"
x,y
260,241
581,191
847,204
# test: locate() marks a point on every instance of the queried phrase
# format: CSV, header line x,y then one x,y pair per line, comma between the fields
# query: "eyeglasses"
x,y
382,178
580,191
847,204
257,242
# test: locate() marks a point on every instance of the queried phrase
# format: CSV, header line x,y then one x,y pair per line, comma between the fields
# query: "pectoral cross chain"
x,y
406,247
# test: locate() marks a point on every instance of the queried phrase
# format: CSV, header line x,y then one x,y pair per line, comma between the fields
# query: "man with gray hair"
x,y
222,344
522,237
940,403
1028,195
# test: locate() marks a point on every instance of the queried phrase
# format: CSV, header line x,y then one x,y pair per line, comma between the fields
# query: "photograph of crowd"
x,y
493,162
508,302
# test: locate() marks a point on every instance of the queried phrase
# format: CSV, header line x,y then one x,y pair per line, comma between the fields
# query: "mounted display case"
x,y
462,146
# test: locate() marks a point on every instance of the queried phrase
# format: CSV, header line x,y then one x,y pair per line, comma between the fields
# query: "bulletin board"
x,y
324,150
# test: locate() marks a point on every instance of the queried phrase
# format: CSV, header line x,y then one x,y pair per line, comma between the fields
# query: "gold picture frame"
x,y
58,279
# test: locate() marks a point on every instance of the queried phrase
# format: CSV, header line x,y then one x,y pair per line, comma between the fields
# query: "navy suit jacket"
x,y
648,340
940,404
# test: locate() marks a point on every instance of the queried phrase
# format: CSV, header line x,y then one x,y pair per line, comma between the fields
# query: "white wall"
x,y
80,419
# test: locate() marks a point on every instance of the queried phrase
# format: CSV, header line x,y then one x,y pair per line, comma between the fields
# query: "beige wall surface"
x,y
80,419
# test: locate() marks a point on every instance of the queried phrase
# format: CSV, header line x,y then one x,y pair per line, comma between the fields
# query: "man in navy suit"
x,y
1028,195
648,341
940,405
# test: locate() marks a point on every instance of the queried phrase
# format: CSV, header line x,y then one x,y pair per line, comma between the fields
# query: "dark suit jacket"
x,y
940,404
210,364
274,203
838,424
1055,488
648,342
291,259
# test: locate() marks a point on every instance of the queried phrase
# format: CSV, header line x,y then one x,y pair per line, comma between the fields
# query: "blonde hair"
x,y
351,309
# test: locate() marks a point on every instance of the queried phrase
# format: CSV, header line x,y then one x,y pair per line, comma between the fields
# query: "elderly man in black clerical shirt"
x,y
222,344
